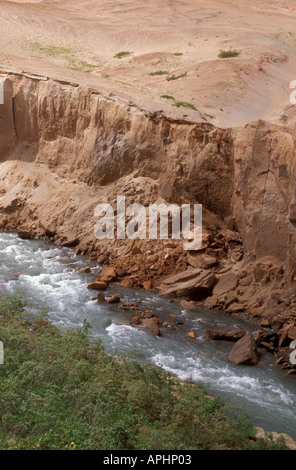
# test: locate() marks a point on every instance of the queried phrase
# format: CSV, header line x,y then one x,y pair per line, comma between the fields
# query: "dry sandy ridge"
x,y
77,40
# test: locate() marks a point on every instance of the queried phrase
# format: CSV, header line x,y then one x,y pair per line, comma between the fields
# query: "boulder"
x,y
228,282
202,261
191,334
225,335
98,285
147,285
211,302
25,235
185,305
292,333
244,351
86,270
152,324
126,283
193,283
235,307
100,297
136,320
288,333
108,274
70,243
115,299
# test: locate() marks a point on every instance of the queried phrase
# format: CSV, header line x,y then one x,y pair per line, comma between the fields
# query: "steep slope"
x,y
66,148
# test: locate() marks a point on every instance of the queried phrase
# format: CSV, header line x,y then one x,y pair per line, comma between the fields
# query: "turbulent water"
x,y
46,276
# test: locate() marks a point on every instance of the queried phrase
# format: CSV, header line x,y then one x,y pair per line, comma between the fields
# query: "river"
x,y
45,275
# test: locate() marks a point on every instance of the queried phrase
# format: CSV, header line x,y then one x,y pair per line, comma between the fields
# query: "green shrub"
x,y
176,77
159,72
167,97
225,54
121,54
184,104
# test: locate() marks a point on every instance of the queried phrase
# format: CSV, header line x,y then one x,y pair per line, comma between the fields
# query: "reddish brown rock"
x,y
108,274
101,297
235,307
185,305
136,320
244,351
147,285
86,270
211,302
126,283
225,335
192,283
98,285
191,334
115,299
152,324
25,235
287,334
227,282
292,333
202,261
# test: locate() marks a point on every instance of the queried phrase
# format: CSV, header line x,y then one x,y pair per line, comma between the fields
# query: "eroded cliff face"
x,y
65,148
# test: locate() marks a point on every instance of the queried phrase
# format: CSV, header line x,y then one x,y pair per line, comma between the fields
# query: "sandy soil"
x,y
77,40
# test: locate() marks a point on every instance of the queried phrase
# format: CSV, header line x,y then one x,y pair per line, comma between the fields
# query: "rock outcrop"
x,y
65,148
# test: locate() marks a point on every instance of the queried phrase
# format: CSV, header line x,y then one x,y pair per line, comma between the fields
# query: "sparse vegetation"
x,y
176,77
178,104
167,97
81,65
184,104
67,54
159,72
121,54
51,50
230,53
178,53
63,391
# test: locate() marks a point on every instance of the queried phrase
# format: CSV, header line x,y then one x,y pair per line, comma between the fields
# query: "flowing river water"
x,y
45,275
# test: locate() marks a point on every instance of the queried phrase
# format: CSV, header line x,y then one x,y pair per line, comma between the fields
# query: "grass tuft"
x,y
167,97
176,77
159,72
121,54
184,104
